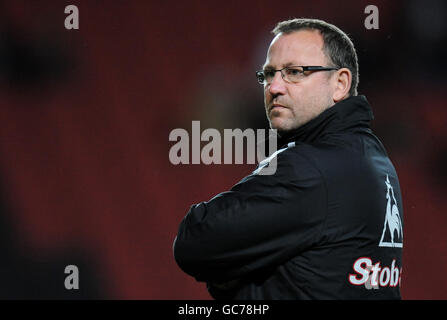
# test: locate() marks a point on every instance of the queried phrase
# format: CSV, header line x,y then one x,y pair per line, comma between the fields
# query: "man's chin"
x,y
280,126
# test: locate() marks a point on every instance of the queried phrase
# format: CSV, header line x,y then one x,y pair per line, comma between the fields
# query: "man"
x,y
328,223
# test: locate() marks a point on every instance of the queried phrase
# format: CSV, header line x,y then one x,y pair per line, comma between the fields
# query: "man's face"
x,y
290,105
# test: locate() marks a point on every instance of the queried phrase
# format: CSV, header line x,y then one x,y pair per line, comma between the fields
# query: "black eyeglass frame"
x,y
261,77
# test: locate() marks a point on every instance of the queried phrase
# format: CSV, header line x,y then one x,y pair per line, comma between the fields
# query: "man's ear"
x,y
342,82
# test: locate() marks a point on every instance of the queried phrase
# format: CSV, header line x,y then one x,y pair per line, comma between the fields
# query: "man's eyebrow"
x,y
270,67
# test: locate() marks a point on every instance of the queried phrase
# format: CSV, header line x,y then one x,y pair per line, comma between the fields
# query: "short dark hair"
x,y
338,47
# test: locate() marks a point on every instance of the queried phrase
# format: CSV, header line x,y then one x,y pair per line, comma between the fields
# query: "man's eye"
x,y
293,71
269,74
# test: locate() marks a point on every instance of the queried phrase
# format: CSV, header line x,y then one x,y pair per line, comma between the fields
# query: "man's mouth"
x,y
277,106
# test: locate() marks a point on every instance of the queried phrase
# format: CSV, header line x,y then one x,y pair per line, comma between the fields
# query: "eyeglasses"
x,y
291,74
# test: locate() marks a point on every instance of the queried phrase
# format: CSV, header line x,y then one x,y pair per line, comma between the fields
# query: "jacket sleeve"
x,y
263,221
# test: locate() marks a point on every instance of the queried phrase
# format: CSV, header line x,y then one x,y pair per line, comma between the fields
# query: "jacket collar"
x,y
353,112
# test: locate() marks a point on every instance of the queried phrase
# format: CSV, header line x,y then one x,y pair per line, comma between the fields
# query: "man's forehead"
x,y
295,48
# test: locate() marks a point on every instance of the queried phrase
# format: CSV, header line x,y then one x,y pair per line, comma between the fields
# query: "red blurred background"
x,y
85,116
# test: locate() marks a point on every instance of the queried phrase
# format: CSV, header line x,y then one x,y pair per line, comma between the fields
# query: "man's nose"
x,y
278,85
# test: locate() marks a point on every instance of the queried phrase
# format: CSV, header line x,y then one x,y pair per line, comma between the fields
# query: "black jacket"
x,y
326,225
